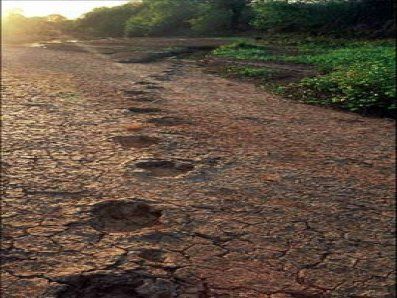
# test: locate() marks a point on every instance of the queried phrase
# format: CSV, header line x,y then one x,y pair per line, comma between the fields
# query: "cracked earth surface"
x,y
217,190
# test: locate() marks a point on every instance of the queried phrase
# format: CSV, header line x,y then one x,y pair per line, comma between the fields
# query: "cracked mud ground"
x,y
221,191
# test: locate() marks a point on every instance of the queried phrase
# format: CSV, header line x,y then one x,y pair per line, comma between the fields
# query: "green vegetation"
x,y
220,16
107,21
250,72
209,17
163,17
244,51
337,17
355,75
170,17
360,76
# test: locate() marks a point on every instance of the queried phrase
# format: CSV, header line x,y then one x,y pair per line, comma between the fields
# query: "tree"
x,y
159,17
222,16
324,16
235,7
107,21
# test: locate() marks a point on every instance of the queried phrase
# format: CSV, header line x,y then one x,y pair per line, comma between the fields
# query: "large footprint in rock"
x,y
139,141
169,121
144,110
160,167
126,285
123,216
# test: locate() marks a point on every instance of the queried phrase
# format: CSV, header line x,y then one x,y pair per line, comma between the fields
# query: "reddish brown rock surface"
x,y
279,199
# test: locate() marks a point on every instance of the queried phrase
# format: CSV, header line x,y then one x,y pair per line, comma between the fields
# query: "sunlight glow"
x,y
68,8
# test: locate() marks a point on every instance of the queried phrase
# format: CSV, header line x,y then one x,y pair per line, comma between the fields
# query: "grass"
x,y
244,51
355,75
251,72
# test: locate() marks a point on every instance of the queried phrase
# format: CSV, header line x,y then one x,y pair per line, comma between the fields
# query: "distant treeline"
x,y
18,28
374,18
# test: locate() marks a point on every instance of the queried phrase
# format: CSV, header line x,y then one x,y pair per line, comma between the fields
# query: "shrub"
x,y
162,17
211,21
244,51
361,81
107,21
298,16
250,72
323,16
357,75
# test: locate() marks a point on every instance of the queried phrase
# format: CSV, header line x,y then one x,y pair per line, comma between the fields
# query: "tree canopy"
x,y
107,21
209,17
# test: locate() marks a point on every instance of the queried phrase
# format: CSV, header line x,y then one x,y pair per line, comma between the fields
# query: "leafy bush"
x,y
244,51
162,17
361,77
321,16
250,72
357,75
107,21
298,16
211,20
173,17
348,53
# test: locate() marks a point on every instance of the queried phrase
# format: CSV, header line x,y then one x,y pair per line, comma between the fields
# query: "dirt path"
x,y
158,180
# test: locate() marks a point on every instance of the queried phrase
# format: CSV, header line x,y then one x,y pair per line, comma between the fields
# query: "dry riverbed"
x,y
129,172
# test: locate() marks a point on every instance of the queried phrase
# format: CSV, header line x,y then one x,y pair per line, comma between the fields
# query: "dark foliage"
x,y
373,18
356,17
107,21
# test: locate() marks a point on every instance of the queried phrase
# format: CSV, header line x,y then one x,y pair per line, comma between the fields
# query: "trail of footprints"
x,y
125,216
155,168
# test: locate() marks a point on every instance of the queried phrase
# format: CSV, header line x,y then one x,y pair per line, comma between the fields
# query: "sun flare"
x,y
68,8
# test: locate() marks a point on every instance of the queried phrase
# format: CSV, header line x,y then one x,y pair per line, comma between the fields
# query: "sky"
x,y
69,8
